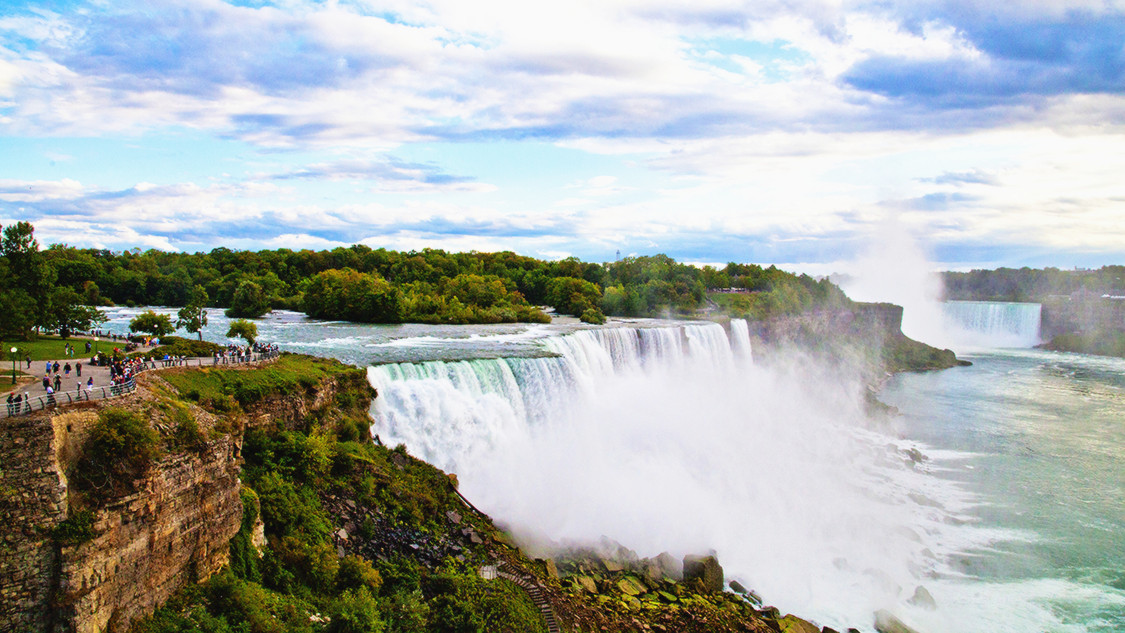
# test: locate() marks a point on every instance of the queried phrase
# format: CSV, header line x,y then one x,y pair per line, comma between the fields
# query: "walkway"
x,y
73,389
530,585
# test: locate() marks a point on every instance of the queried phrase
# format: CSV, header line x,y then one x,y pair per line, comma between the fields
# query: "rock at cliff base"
x,y
886,622
631,586
923,598
669,566
793,624
706,569
587,583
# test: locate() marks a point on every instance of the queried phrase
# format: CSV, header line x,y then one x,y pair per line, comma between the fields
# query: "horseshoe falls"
x,y
673,439
991,323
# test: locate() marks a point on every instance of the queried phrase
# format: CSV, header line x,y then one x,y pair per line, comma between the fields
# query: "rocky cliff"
x,y
72,562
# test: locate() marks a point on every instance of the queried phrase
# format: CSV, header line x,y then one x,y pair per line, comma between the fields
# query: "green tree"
x,y
68,314
192,317
249,301
27,269
352,295
152,323
571,295
243,329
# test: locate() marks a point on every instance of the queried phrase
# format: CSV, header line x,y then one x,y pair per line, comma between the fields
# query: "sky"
x,y
789,132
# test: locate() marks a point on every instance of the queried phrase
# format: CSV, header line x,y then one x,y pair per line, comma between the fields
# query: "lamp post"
x,y
14,351
96,347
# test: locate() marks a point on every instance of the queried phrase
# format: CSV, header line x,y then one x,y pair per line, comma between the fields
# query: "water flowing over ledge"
x,y
671,438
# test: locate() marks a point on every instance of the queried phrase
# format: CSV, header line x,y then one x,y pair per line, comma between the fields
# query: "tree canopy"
x,y
152,323
359,283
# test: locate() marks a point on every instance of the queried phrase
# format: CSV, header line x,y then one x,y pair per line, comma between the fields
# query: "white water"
x,y
991,324
666,439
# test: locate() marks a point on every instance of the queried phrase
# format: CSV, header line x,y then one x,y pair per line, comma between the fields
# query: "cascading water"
x,y
671,439
992,324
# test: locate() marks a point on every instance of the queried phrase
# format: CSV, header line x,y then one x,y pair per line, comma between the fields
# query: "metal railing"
x,y
84,394
51,400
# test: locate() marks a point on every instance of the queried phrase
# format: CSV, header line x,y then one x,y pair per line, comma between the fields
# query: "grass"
x,y
291,373
47,348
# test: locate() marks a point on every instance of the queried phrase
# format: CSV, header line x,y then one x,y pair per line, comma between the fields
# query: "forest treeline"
x,y
57,287
1032,284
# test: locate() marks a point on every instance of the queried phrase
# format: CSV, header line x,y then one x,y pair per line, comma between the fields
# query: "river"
x,y
999,488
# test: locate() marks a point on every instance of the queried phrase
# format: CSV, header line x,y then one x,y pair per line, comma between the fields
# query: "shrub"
x,y
120,449
75,529
356,572
243,555
356,612
593,315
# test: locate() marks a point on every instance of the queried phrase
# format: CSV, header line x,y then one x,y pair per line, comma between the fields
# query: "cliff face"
x,y
868,336
1081,313
175,528
32,501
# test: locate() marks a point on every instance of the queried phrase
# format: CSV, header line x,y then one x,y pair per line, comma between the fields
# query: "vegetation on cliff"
x,y
1097,342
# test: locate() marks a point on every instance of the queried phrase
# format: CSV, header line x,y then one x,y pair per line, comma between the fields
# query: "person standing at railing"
x,y
50,396
11,401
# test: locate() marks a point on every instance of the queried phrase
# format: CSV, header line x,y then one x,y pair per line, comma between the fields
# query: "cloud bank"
x,y
711,130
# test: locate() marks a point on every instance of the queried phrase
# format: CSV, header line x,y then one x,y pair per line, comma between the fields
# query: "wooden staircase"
x,y
535,592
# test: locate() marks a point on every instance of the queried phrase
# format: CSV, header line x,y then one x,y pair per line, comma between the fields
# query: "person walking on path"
x,y
58,382
66,370
78,368
46,380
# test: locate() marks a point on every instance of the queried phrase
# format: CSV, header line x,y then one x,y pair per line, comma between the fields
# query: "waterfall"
x,y
992,324
671,439
740,338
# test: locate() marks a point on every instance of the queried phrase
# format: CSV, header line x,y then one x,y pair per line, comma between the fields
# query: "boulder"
x,y
886,622
630,586
549,567
706,569
587,583
793,624
669,566
923,598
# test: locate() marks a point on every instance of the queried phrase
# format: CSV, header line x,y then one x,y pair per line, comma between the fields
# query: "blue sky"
x,y
712,130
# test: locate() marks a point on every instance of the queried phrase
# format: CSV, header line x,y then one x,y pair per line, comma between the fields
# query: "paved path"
x,y
69,386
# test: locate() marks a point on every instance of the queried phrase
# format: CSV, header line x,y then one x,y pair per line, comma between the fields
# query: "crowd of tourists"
x,y
244,353
122,371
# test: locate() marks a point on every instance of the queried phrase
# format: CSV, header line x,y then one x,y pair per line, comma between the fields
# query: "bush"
x,y
593,316
120,449
356,612
178,346
243,554
356,573
75,529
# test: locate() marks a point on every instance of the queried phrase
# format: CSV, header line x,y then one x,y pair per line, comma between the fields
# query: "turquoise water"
x,y
1039,439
